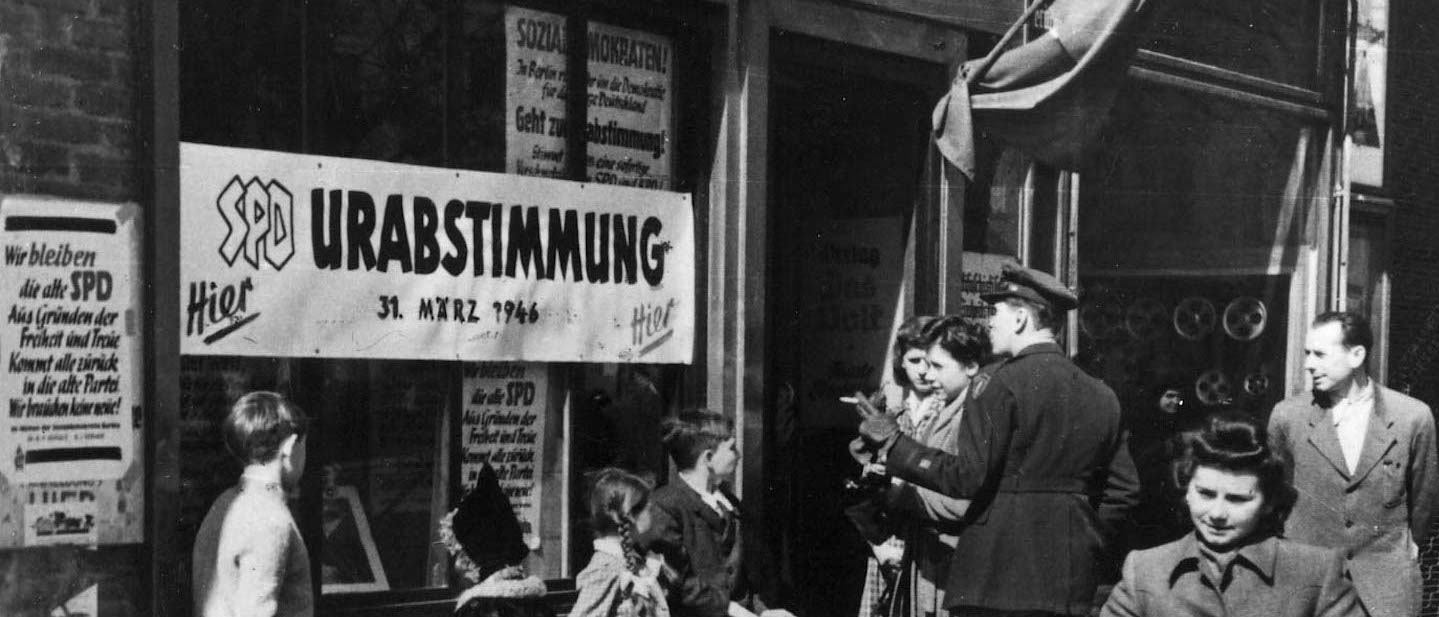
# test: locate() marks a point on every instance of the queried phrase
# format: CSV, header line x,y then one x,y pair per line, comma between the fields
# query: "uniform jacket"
x,y
1272,578
1040,451
704,549
1374,514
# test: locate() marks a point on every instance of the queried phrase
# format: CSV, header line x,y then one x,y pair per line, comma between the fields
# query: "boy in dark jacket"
x,y
696,523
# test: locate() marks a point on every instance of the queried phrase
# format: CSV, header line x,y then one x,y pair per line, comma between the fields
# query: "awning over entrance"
x,y
1048,97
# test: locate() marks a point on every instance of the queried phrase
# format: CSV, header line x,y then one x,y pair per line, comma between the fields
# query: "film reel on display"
x,y
1101,320
1245,318
1213,388
1256,384
1195,318
1146,318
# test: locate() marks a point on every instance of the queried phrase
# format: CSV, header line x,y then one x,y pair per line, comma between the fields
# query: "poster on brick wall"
x,y
629,92
504,426
70,381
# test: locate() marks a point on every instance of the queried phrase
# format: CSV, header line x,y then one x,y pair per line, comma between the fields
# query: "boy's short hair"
x,y
258,423
692,431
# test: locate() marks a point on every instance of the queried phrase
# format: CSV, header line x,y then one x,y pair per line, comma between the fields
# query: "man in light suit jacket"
x,y
1364,465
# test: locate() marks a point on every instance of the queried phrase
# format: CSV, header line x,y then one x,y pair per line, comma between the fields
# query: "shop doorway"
x,y
847,138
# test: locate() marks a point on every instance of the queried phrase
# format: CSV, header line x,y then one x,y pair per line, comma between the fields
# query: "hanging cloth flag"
x,y
1049,97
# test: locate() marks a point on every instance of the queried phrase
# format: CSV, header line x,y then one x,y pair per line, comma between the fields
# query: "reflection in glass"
x,y
1191,221
1275,39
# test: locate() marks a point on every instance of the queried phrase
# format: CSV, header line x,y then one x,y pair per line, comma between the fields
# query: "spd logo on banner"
x,y
296,255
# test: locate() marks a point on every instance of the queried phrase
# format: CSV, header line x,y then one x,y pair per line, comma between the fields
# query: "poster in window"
x,y
983,273
629,113
1366,113
504,425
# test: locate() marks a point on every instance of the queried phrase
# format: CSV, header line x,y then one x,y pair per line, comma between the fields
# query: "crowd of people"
x,y
1318,511
999,483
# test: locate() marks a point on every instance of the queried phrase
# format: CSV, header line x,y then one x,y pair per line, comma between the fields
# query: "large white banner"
x,y
296,255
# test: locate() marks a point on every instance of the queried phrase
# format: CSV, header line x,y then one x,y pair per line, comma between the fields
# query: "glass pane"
x,y
380,80
1191,182
1369,93
993,201
377,474
1367,255
1275,39
477,88
241,74
1188,246
383,460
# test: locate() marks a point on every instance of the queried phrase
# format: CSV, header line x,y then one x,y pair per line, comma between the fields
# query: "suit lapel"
x,y
1378,438
1324,439
697,505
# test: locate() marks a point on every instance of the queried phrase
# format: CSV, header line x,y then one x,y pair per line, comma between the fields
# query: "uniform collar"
x,y
1260,556
1040,348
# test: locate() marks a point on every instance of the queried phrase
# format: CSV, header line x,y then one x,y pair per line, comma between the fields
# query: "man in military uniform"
x,y
1042,455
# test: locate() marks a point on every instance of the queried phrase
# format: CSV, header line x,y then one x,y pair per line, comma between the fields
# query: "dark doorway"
x,y
848,130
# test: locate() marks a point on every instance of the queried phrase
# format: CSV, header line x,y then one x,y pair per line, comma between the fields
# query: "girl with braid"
x,y
619,581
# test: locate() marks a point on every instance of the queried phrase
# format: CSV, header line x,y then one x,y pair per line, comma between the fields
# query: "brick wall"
x,y
1413,182
68,129
67,98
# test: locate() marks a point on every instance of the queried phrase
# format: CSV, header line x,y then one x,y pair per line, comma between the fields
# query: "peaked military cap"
x,y
1034,286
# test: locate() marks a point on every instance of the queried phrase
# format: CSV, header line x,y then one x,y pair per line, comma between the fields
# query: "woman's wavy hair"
x,y
911,335
1236,442
964,341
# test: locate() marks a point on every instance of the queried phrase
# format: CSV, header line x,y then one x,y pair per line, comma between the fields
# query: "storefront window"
x,y
383,460
419,273
1190,224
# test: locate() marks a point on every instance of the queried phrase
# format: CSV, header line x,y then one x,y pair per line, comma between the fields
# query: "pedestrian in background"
x,y
1364,463
249,559
698,523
